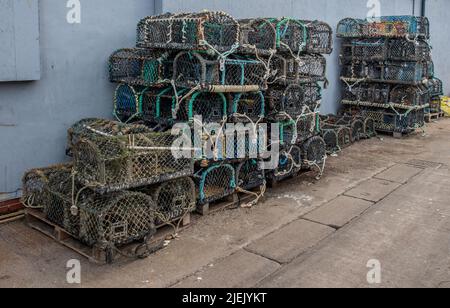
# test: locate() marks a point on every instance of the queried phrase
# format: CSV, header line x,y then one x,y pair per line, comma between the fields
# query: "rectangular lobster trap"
x,y
435,87
265,35
410,95
173,199
376,93
139,66
247,107
386,26
113,162
395,122
301,69
250,174
212,107
51,190
189,31
293,100
290,161
215,182
308,125
232,74
383,49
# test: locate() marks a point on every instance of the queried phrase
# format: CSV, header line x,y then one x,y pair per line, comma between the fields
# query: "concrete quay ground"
x,y
382,200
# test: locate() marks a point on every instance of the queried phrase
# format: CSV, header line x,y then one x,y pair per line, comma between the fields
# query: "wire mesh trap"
x,y
376,93
391,122
249,174
127,102
213,107
314,151
248,107
341,132
112,162
435,87
330,137
51,190
288,132
286,35
292,101
214,183
355,125
308,125
382,49
173,199
233,74
302,69
410,95
386,26
196,31
115,219
290,161
139,66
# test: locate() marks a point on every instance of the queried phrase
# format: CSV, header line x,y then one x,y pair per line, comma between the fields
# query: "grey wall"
x,y
34,116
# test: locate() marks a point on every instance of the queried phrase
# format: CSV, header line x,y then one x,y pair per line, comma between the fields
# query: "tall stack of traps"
x,y
201,102
387,70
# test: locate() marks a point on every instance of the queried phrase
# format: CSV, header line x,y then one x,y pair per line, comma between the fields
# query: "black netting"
x,y
435,87
320,37
248,107
249,174
330,137
314,150
389,121
140,67
189,31
303,69
214,183
213,107
409,96
288,133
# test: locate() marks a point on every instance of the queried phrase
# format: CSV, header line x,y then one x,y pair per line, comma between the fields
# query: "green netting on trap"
x,y
305,68
139,66
116,219
92,127
113,162
213,107
288,133
233,74
214,183
293,100
386,26
249,174
50,189
196,31
265,35
173,199
248,107
308,125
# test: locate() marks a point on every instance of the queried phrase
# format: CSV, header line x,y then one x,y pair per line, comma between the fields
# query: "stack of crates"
x,y
387,71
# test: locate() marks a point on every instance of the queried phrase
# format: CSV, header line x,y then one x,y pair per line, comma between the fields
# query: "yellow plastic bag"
x,y
445,105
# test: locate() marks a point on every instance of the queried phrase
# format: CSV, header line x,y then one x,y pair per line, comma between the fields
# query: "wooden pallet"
x,y
229,202
434,116
12,216
36,220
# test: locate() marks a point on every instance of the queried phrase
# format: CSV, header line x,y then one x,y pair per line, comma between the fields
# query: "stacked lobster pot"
x,y
436,92
292,51
387,71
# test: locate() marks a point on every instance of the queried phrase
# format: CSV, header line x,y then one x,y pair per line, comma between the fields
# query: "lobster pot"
x,y
294,99
409,96
435,87
403,50
308,125
248,107
355,125
364,49
245,142
127,102
314,151
366,92
369,128
387,26
215,183
387,121
51,190
249,174
173,199
411,72
93,127
362,70
212,107
305,68
257,35
435,106
343,133
331,140
320,37
235,75
288,133
290,162
112,163
140,67
116,219
197,31
156,105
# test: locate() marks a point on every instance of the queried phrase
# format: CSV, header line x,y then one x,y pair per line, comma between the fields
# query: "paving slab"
x,y
399,173
408,238
373,190
241,269
290,241
339,211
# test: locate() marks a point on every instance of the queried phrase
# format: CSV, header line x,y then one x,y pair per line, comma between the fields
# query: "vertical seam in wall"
x,y
14,37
